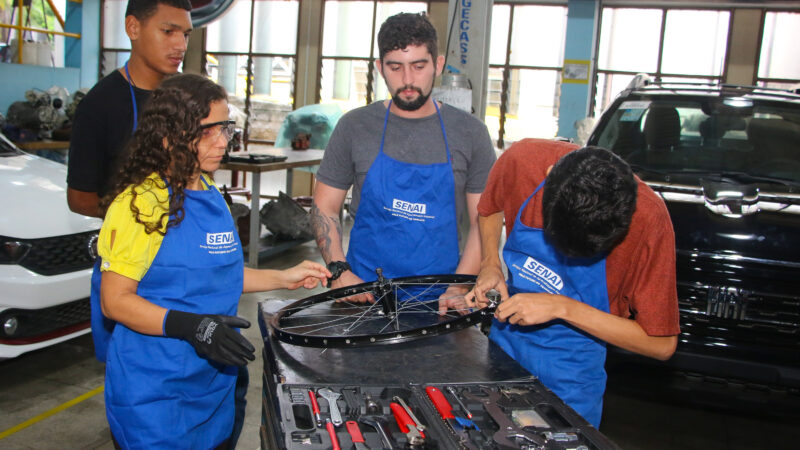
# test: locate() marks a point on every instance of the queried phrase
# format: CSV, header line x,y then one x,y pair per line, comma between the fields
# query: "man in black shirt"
x,y
105,119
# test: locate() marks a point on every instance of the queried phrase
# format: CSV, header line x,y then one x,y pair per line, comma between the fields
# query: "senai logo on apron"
x,y
418,208
220,243
410,211
538,273
219,238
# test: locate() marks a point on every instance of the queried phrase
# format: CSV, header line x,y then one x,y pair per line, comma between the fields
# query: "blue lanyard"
x,y
133,99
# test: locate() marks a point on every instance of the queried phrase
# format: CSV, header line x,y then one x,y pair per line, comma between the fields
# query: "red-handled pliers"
x,y
407,425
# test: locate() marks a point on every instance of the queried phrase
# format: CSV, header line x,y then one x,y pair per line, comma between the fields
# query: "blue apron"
x,y
406,222
159,393
102,326
567,360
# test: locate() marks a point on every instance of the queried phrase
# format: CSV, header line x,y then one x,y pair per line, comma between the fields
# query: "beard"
x,y
412,105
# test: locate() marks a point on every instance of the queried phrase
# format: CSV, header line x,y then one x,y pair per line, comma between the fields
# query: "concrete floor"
x,y
37,382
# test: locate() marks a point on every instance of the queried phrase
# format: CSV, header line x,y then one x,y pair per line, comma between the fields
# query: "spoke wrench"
x,y
331,397
504,437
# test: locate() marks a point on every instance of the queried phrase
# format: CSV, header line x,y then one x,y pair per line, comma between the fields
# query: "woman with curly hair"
x,y
173,273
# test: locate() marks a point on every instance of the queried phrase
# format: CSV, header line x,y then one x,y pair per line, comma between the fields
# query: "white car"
x,y
46,255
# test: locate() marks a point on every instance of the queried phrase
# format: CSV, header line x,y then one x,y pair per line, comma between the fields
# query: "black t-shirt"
x,y
103,124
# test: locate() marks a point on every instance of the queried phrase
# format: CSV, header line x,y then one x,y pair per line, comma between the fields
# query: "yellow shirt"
x,y
133,249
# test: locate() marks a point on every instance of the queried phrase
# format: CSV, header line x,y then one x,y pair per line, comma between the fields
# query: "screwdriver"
x,y
315,407
460,403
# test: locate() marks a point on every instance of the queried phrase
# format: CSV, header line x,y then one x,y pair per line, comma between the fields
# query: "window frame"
x,y
658,74
251,55
370,60
103,48
507,67
759,81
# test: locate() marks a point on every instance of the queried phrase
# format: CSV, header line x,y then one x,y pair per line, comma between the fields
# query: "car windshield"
x,y
6,147
747,140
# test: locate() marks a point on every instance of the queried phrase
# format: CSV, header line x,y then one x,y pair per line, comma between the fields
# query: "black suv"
x,y
726,160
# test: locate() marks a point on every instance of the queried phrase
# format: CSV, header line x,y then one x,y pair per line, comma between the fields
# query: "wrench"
x,y
380,424
331,397
407,425
508,429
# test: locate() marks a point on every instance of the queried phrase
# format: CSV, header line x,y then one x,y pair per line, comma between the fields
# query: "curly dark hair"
x,y
588,202
166,143
404,29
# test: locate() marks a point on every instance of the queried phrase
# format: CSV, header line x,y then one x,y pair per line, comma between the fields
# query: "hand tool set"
x,y
476,416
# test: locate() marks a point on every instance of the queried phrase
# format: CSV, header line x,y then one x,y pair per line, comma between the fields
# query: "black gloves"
x,y
211,336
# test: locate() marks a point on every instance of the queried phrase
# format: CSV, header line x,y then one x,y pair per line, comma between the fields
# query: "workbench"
x,y
53,150
467,355
459,357
294,159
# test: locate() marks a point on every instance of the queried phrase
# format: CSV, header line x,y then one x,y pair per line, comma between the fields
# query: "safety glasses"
x,y
213,130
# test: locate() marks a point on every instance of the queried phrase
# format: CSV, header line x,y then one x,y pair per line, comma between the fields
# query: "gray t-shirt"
x,y
356,140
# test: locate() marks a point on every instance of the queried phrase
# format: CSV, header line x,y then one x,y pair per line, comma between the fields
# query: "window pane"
x,y
608,86
275,29
493,97
347,29
271,98
532,108
112,61
387,9
40,49
231,32
688,80
629,39
273,79
499,40
344,82
114,24
695,42
533,26
778,53
230,72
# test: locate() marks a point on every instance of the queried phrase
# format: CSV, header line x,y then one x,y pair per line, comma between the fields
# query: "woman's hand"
x,y
307,274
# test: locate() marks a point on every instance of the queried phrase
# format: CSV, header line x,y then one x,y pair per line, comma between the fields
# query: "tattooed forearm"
x,y
321,232
327,230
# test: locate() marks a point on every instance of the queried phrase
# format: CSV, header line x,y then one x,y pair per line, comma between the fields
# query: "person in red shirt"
x,y
591,260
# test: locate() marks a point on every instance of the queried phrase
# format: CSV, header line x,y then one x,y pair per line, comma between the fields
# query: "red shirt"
x,y
640,270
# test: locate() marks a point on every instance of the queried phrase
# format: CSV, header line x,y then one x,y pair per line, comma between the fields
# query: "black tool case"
x,y
505,415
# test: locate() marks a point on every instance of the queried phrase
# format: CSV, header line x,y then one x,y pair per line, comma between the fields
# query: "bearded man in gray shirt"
x,y
417,168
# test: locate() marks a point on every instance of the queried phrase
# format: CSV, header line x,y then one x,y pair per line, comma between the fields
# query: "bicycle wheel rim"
x,y
324,320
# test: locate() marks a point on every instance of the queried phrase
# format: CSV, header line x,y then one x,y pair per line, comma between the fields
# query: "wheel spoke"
x,y
330,320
